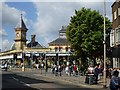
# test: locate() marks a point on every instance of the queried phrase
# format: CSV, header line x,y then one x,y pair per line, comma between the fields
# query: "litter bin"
x,y
89,79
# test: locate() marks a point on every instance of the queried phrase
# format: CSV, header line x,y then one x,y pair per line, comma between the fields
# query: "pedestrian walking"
x,y
90,69
71,70
53,68
67,70
115,81
37,66
96,74
75,70
56,70
42,65
100,71
60,69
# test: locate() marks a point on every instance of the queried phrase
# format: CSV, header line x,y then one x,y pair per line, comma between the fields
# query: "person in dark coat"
x,y
96,71
115,81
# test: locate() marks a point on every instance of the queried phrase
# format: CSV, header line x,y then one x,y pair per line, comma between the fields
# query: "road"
x,y
27,81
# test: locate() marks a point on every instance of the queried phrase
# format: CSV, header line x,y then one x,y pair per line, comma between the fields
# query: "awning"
x,y
50,54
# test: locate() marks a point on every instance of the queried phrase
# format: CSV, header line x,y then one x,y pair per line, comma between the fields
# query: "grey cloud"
x,y
3,32
10,15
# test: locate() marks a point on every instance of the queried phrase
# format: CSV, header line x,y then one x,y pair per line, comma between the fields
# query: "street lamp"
x,y
30,44
104,42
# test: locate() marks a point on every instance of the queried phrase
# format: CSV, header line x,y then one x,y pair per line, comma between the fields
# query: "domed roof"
x,y
34,45
59,41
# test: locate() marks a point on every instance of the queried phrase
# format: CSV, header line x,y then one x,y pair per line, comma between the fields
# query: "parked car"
x,y
2,66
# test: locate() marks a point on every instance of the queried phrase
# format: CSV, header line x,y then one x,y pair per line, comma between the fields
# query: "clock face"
x,y
17,34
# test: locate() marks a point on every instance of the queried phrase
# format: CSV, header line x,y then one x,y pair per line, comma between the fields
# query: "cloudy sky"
x,y
42,18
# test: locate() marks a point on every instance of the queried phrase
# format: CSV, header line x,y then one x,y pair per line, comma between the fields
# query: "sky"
x,y
43,18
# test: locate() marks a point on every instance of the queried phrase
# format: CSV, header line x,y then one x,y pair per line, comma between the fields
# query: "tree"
x,y
85,34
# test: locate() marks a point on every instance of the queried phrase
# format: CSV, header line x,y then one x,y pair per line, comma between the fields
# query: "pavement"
x,y
74,80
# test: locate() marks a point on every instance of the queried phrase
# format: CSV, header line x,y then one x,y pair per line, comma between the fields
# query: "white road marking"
x,y
15,78
25,83
21,81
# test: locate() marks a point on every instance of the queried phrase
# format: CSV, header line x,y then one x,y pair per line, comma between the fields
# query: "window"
x,y
50,49
112,38
118,11
56,49
118,36
66,49
60,49
115,15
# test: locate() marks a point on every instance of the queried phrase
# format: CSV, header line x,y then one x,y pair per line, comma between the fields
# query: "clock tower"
x,y
20,30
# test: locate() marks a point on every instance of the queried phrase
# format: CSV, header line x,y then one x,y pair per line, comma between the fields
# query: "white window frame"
x,y
118,36
112,38
115,15
118,11
116,31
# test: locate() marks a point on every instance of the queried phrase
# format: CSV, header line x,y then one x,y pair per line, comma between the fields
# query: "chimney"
x,y
33,38
62,27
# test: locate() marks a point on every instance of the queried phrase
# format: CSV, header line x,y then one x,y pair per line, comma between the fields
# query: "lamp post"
x,y
104,74
31,54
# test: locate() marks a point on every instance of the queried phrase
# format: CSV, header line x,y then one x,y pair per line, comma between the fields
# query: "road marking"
x,y
21,81
15,78
25,83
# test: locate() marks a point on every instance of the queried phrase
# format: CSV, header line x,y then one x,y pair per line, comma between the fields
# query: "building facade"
x,y
115,34
60,44
61,47
27,53
21,51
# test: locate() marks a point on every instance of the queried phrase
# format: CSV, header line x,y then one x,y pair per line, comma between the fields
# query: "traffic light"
x,y
15,56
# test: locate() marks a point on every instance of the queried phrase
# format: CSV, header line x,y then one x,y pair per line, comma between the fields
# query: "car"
x,y
2,66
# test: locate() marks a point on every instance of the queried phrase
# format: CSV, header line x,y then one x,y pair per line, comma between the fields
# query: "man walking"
x,y
96,70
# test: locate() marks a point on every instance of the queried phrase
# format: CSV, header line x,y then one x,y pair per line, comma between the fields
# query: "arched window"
x,y
50,49
60,49
66,49
56,49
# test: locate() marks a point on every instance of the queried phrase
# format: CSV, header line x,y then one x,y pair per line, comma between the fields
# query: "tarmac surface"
x,y
73,80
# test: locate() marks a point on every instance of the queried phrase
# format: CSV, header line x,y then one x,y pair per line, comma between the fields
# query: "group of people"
x,y
96,72
71,70
57,69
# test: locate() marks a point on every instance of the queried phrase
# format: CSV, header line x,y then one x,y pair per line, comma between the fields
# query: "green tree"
x,y
85,34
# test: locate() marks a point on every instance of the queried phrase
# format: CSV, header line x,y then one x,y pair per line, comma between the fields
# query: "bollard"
x,y
23,68
10,67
